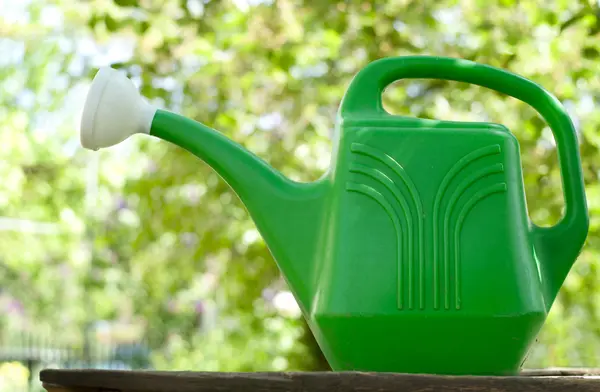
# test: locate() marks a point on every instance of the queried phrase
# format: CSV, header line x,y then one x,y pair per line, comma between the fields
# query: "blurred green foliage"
x,y
147,235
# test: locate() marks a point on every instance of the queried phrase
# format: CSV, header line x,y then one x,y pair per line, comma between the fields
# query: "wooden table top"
x,y
547,380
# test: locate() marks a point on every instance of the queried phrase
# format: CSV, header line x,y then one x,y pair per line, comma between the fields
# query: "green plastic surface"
x,y
414,252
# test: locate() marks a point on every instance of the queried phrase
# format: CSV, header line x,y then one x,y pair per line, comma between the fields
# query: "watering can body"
x,y
414,252
431,264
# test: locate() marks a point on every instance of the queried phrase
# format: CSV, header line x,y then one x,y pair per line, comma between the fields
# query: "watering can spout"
x,y
284,211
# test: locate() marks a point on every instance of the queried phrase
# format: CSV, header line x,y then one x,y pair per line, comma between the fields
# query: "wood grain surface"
x,y
547,380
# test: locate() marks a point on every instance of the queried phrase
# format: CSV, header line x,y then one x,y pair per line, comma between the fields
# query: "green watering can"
x,y
414,253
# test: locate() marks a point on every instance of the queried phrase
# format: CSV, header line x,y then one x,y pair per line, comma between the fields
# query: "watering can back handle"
x,y
363,97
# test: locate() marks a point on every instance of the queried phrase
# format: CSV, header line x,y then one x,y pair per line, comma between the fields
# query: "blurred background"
x,y
141,257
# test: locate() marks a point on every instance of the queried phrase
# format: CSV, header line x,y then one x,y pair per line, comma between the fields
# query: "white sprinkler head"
x,y
113,111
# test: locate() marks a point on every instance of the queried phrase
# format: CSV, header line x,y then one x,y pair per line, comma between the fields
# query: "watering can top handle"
x,y
364,97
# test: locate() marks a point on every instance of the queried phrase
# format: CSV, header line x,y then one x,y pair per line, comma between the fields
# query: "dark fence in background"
x,y
36,353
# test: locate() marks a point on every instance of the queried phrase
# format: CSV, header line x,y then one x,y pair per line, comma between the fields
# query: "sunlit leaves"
x,y
168,241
